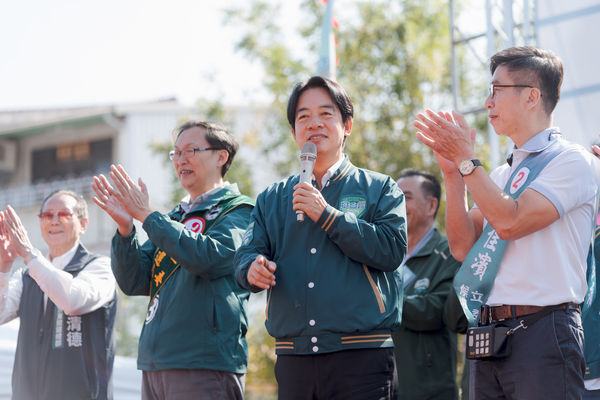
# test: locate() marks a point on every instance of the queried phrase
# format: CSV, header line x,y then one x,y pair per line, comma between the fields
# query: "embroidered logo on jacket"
x,y
421,285
248,235
353,204
152,310
213,213
195,224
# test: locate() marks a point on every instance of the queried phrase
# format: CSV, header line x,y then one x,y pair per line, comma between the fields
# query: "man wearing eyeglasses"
x,y
66,302
525,243
192,344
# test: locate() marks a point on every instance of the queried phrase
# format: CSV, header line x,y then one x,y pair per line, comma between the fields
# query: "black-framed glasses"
x,y
63,216
175,155
493,86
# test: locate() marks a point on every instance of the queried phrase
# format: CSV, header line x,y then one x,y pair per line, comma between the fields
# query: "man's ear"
x,y
534,98
433,205
348,127
223,157
83,222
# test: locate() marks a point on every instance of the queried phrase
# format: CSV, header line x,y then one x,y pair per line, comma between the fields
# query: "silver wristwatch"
x,y
466,167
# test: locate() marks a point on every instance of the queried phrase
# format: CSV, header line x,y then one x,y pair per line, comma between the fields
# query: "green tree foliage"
x,y
262,40
394,62
392,56
128,325
260,382
389,62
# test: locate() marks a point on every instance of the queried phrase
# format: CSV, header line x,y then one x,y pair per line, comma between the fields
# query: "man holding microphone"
x,y
334,291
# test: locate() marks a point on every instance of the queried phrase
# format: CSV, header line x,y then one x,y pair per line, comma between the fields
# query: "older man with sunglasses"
x,y
66,302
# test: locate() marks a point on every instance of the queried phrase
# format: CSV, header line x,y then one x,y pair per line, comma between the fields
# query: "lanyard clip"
x,y
521,325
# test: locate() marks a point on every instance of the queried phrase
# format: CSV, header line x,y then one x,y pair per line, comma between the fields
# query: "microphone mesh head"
x,y
309,148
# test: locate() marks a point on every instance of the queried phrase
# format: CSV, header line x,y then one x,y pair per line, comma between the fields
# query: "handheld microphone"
x,y
308,155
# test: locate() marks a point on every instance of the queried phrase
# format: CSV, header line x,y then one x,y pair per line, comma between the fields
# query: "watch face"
x,y
466,167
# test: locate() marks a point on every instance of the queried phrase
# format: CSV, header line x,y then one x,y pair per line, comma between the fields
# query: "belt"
x,y
504,312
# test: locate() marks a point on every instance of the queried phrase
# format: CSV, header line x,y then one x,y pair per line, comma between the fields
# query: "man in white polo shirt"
x,y
540,206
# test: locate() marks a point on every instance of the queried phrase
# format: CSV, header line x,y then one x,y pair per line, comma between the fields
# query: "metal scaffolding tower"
x,y
569,28
507,23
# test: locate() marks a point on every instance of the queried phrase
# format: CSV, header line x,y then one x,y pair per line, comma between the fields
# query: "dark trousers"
x,y
362,374
591,395
546,363
185,384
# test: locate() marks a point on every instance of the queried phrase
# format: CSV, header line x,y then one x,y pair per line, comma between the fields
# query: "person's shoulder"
x,y
283,185
235,199
98,259
440,247
372,174
574,150
440,244
576,157
374,179
96,263
102,258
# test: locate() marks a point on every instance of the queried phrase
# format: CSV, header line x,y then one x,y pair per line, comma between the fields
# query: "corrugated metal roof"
x,y
19,123
34,129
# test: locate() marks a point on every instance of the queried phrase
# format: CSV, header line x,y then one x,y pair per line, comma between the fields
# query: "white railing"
x,y
32,195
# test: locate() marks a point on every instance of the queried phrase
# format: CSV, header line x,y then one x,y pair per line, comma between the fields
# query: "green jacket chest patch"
x,y
421,285
353,204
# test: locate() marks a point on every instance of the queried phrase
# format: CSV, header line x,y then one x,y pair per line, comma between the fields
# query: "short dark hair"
x,y
538,67
335,90
217,136
81,209
430,184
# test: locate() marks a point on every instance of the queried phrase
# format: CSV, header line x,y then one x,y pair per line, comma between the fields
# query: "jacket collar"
x,y
430,246
534,145
345,168
223,193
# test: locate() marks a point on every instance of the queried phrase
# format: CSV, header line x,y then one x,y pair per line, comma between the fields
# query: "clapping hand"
x,y
448,135
7,252
135,199
17,234
111,205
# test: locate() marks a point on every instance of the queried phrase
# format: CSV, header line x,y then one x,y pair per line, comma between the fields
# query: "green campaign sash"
x,y
200,222
474,280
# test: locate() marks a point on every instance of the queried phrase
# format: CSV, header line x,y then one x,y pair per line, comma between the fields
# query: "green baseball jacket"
x,y
425,348
337,283
591,321
197,319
